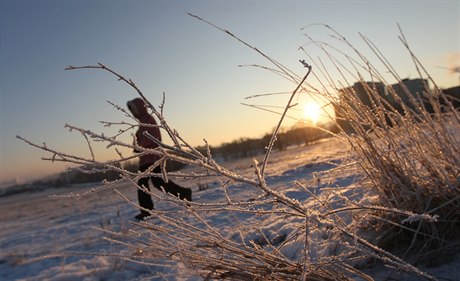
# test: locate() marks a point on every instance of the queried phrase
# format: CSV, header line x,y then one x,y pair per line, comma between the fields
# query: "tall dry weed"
x,y
406,141
408,155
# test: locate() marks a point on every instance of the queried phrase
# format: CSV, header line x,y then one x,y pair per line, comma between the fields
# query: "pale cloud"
x,y
452,62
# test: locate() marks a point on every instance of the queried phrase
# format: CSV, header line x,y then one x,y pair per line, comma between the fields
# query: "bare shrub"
x,y
409,159
407,144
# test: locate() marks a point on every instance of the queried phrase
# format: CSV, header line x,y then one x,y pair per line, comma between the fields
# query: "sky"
x,y
164,50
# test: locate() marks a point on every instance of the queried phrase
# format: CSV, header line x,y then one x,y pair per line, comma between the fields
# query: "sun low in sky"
x,y
164,50
312,112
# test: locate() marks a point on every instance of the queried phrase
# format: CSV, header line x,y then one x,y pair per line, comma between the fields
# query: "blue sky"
x,y
161,48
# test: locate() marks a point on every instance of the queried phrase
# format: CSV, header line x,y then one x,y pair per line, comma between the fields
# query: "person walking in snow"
x,y
148,124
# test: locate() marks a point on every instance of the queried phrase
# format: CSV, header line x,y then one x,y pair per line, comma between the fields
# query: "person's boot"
x,y
141,216
186,194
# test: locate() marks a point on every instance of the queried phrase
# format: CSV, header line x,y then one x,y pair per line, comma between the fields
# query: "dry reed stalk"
x,y
410,159
410,155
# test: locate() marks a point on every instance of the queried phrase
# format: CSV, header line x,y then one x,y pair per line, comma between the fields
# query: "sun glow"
x,y
312,112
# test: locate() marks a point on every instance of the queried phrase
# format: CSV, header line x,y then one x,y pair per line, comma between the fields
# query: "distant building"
x,y
364,92
362,97
453,95
411,91
367,96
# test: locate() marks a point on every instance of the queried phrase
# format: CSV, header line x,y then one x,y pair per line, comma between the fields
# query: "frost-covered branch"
x,y
407,159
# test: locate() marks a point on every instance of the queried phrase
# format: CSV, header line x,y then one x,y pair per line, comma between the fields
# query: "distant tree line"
x,y
249,147
240,148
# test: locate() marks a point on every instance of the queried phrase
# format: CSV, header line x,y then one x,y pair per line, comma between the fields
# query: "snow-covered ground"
x,y
34,225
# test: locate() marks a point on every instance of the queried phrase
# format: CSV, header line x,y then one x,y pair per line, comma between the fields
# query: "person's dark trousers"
x,y
145,200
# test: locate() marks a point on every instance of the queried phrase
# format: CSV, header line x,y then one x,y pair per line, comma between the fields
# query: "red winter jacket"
x,y
139,109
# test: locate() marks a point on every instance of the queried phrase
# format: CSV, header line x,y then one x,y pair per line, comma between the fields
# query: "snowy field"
x,y
35,225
